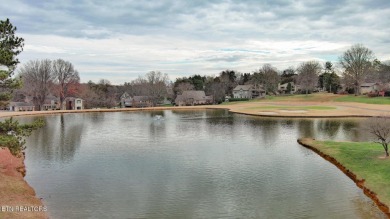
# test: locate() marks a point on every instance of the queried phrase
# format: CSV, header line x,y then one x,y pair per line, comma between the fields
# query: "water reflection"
x,y
329,127
59,138
306,128
190,164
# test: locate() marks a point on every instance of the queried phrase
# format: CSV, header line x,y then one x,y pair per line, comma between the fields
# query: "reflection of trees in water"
x,y
218,113
59,138
287,123
353,130
329,127
93,117
268,128
188,113
306,128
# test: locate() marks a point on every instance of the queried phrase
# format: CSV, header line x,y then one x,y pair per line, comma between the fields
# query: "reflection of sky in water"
x,y
200,164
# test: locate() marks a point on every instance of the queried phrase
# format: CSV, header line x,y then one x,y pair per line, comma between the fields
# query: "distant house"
x,y
126,100
366,88
248,91
21,106
193,97
135,101
141,101
51,103
282,88
73,103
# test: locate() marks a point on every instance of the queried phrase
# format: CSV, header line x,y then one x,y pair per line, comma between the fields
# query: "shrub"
x,y
12,134
372,94
238,99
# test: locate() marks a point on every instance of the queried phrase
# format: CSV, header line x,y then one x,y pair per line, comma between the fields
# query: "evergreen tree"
x,y
10,47
11,133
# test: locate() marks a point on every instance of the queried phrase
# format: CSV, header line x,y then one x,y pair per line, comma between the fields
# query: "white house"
x,y
21,106
247,91
282,88
73,103
366,88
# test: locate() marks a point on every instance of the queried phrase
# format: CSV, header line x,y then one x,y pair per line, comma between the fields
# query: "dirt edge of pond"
x,y
17,197
305,142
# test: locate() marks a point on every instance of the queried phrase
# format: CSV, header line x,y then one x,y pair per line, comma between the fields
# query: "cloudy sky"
x,y
122,40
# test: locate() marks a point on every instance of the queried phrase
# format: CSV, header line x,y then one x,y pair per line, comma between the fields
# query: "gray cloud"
x,y
137,34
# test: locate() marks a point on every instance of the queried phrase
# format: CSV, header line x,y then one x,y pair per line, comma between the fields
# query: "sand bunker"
x,y
293,111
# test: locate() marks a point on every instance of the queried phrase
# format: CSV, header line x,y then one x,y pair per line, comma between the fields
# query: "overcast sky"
x,y
122,40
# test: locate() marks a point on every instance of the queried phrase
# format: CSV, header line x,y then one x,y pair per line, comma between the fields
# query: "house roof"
x,y
73,98
368,84
192,94
285,84
243,87
248,87
51,98
125,95
195,94
19,104
179,98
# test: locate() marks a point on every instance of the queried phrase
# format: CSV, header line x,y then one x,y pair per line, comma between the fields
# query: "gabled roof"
x,y
285,84
243,87
125,95
368,84
19,104
194,94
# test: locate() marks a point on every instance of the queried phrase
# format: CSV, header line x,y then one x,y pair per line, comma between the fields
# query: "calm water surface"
x,y
190,164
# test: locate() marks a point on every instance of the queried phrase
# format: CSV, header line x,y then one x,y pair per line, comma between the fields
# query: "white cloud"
x,y
120,41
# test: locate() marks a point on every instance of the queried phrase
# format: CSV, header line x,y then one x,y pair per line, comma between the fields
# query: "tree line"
x,y
59,77
43,77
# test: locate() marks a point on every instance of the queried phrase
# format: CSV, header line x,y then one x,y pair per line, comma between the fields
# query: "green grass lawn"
x,y
363,99
292,108
362,158
320,97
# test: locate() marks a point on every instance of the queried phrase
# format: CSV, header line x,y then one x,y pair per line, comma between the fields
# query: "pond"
x,y
190,164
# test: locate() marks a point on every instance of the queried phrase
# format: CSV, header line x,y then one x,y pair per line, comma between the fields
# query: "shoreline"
x,y
359,182
342,110
238,108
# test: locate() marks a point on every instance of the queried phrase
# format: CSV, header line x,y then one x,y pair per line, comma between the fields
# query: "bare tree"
x,y
384,72
66,77
184,86
308,73
90,96
38,79
357,62
270,78
157,86
228,79
217,90
380,128
139,87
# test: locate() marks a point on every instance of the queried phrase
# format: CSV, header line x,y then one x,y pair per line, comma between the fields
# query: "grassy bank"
x,y
321,97
363,99
364,160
